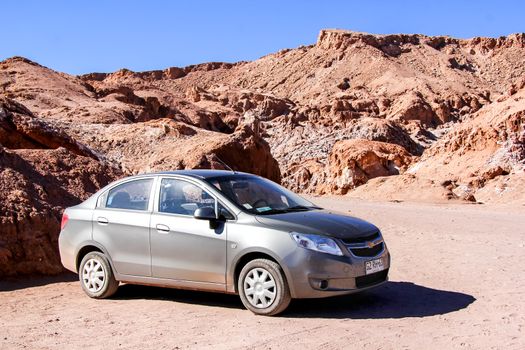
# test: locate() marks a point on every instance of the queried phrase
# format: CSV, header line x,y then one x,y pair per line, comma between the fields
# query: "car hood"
x,y
321,222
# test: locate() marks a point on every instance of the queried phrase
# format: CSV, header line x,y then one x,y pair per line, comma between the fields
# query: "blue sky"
x,y
87,36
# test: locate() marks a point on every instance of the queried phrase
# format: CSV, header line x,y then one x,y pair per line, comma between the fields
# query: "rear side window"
x,y
130,195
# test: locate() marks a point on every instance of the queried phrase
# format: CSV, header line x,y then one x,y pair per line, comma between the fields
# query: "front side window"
x,y
224,213
182,197
132,195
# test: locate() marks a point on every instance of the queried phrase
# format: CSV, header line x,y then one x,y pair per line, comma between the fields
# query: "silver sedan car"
x,y
220,231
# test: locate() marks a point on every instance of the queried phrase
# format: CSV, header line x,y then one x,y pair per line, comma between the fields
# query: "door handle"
x,y
102,220
162,228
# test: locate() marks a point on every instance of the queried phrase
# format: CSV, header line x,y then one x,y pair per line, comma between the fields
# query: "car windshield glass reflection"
x,y
259,196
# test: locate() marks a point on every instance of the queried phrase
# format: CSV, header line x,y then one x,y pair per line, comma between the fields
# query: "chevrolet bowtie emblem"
x,y
371,244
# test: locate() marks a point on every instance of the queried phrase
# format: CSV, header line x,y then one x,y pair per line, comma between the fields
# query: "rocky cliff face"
x,y
375,116
42,170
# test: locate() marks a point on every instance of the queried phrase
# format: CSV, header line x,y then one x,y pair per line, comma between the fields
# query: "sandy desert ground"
x,y
457,281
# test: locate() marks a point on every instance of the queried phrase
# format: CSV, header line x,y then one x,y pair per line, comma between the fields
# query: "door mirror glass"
x,y
205,213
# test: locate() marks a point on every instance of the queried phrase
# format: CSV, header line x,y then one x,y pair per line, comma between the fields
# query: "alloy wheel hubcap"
x,y
93,275
260,288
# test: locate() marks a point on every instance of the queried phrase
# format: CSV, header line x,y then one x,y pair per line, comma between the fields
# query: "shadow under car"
x,y
392,300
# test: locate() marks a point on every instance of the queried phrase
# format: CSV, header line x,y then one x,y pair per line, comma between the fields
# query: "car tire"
x,y
263,288
96,276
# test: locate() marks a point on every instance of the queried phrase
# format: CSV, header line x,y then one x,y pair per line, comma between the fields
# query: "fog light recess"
x,y
323,284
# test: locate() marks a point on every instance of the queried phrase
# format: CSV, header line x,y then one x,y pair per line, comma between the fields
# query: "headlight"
x,y
317,243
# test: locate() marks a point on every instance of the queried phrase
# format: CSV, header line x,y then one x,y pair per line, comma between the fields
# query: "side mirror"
x,y
205,213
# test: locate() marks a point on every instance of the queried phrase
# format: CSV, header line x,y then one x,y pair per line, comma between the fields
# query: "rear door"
x,y
182,247
121,224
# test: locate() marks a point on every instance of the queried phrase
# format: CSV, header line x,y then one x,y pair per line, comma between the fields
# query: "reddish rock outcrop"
x,y
36,185
481,159
353,162
20,129
164,144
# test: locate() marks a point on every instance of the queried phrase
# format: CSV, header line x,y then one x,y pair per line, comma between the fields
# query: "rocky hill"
x,y
396,117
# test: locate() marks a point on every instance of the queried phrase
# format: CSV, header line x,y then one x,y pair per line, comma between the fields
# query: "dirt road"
x,y
457,281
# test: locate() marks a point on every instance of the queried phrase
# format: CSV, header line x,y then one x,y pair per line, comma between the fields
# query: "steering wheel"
x,y
260,201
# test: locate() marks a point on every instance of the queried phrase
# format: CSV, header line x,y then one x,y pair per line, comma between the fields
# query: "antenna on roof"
x,y
226,165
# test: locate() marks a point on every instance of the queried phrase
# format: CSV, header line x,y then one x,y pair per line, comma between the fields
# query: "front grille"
x,y
370,280
368,252
362,239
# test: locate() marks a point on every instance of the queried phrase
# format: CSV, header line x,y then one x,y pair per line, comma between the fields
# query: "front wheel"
x,y
96,276
263,287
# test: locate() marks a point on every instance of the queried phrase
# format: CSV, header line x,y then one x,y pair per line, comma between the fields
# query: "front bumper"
x,y
317,275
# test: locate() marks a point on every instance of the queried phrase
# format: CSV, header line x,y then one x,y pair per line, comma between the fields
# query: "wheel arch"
x,y
88,247
248,256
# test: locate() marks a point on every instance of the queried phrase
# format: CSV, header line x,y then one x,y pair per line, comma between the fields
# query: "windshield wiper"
x,y
272,211
287,210
298,208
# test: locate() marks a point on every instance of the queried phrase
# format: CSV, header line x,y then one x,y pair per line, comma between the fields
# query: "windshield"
x,y
259,196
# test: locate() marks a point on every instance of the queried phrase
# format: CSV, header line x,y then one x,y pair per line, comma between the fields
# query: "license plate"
x,y
373,266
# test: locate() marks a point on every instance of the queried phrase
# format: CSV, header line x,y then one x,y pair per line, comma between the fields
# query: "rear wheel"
x,y
263,287
96,277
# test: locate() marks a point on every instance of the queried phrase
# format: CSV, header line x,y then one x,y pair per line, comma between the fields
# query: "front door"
x,y
182,247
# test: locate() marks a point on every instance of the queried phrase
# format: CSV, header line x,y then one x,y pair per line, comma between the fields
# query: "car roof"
x,y
201,173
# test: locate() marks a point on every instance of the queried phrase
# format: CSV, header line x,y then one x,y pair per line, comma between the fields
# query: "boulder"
x,y
353,162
